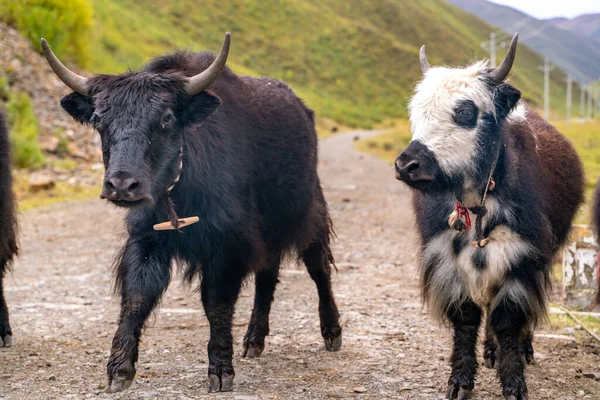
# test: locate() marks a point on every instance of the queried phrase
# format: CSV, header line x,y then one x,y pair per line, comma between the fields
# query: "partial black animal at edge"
x,y
8,230
249,172
471,131
596,227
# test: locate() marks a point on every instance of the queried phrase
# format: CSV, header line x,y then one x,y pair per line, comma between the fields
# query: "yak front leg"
x,y
5,332
465,319
143,275
509,322
220,287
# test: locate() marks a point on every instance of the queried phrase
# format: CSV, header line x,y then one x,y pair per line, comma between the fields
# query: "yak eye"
x,y
465,114
167,120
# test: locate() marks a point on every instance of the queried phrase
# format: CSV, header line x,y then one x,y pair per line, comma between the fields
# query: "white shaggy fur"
x,y
431,109
455,279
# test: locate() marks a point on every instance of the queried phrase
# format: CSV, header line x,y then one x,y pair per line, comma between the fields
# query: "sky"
x,y
543,9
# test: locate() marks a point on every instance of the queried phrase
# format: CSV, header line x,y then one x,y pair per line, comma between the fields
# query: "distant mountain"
x,y
579,55
585,25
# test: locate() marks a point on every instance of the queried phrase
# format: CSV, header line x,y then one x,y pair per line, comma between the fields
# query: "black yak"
x,y
8,229
242,157
596,227
478,152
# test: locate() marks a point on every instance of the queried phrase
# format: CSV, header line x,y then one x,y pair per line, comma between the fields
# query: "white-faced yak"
x,y
478,153
8,229
185,137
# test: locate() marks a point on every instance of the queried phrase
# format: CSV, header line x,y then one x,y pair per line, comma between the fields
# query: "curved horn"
x,y
204,79
70,78
501,72
423,58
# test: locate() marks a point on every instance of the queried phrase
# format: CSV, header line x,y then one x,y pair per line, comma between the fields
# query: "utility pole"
x,y
581,103
569,97
546,68
493,49
589,98
490,45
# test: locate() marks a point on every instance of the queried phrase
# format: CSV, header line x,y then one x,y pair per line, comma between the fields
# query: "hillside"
x,y
585,25
569,51
353,61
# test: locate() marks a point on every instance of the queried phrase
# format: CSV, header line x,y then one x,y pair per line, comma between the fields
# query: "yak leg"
x,y
465,319
5,332
143,274
318,263
509,322
220,287
258,328
489,345
528,346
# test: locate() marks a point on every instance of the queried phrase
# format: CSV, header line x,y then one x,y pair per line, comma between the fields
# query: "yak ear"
x,y
507,97
78,106
201,106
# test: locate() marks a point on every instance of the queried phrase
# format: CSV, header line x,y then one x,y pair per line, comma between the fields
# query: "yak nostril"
x,y
110,185
412,167
133,186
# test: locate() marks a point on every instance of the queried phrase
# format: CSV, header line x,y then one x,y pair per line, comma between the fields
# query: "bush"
x,y
24,131
64,23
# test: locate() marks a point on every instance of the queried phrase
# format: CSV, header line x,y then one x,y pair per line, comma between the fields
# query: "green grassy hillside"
x,y
351,60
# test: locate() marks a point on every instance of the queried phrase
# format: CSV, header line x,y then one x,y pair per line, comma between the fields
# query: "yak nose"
x,y
410,169
122,186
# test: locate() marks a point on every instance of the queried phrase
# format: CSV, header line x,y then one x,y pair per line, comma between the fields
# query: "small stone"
x,y
39,181
52,378
592,375
359,389
49,144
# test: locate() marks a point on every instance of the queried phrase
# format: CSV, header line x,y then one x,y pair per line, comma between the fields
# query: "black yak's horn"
x,y
502,71
70,78
423,58
204,79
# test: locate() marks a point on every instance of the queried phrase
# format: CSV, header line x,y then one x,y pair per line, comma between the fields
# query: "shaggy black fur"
x,y
539,180
8,229
596,227
250,175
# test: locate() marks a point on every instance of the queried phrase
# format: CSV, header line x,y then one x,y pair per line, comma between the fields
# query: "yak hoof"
x,y
118,384
458,393
252,350
6,341
332,338
121,378
489,359
220,380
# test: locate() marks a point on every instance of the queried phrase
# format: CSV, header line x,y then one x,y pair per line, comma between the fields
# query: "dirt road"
x,y
63,312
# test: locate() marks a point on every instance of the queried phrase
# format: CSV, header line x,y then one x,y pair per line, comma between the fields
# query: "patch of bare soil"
x,y
63,312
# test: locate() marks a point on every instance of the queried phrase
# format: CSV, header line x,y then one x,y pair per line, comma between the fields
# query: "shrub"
x,y
64,23
24,131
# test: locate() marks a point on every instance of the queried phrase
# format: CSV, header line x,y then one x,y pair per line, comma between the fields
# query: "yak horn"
x,y
501,72
423,58
70,78
204,79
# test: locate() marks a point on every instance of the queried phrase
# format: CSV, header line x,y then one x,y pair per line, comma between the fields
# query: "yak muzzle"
x,y
416,164
124,189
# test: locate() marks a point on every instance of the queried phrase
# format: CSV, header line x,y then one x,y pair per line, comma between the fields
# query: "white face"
x,y
433,110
